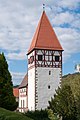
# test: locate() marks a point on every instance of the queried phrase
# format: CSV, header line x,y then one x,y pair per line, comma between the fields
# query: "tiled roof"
x,y
45,37
16,92
24,82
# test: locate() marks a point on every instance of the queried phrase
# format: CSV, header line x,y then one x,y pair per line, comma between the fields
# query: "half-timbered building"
x,y
23,88
44,65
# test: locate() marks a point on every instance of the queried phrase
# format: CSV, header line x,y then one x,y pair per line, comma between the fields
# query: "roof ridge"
x,y
39,28
24,81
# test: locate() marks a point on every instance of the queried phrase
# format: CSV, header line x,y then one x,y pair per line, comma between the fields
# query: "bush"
x,y
46,114
9,115
2,117
38,115
52,116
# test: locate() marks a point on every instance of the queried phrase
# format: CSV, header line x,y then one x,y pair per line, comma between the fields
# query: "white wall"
x,y
45,80
31,54
22,97
31,89
39,79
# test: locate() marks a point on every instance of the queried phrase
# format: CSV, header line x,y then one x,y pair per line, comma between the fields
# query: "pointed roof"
x,y
24,82
45,37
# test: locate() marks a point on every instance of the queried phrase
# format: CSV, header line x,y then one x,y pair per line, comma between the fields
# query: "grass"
x,y
9,115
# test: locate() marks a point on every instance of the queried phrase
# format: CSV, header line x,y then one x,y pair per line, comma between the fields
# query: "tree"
x,y
78,107
52,116
63,103
38,115
7,99
72,80
46,114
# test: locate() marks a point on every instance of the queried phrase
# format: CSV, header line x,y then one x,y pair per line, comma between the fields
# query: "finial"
x,y
43,7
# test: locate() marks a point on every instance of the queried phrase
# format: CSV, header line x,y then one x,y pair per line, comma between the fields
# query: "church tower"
x,y
44,65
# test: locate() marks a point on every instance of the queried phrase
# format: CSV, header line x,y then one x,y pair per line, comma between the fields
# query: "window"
x,y
21,103
30,61
56,58
48,86
40,57
49,72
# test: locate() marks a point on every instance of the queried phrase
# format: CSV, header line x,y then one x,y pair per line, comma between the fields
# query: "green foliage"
x,y
7,100
73,80
46,114
51,115
78,107
9,115
64,103
38,115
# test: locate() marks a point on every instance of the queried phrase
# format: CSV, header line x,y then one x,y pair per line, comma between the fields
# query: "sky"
x,y
18,22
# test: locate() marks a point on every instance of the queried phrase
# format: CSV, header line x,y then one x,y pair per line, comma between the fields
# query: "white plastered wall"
x,y
22,97
45,80
31,89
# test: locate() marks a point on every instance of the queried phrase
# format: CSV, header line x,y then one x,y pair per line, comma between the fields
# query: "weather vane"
x,y
43,7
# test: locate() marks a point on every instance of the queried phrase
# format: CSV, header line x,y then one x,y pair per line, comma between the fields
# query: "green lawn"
x,y
9,115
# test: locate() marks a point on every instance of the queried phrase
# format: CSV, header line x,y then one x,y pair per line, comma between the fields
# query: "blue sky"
x,y
18,22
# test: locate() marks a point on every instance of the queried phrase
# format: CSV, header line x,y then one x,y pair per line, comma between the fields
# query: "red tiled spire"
x,y
45,37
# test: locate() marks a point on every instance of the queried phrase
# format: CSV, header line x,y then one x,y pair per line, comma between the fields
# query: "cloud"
x,y
17,77
62,18
67,18
71,4
17,56
69,39
19,19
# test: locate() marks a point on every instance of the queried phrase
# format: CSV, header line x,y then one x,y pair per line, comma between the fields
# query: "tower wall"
x,y
44,74
31,89
45,85
31,82
44,65
48,75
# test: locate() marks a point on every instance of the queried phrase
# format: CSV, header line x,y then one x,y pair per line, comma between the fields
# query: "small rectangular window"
x,y
31,59
21,103
28,61
40,57
48,86
57,58
49,72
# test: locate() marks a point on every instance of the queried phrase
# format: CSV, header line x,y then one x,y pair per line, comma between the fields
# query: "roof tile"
x,y
24,82
45,37
16,92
